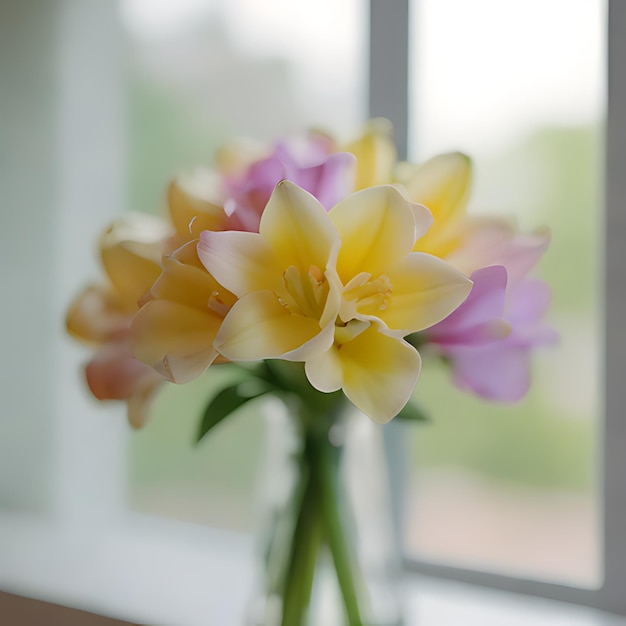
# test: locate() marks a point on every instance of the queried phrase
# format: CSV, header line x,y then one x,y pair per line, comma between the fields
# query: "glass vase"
x,y
328,552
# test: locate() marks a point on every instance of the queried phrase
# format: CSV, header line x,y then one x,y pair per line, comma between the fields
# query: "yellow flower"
x,y
375,152
383,278
443,184
177,324
469,243
131,251
283,276
337,291
377,372
389,292
194,204
101,315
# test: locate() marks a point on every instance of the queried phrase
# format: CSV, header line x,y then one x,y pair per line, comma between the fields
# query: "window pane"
x,y
519,87
203,73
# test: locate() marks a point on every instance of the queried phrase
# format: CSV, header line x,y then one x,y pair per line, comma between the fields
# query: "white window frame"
x,y
389,71
65,535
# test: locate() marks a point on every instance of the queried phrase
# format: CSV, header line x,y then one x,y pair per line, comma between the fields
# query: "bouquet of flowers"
x,y
320,270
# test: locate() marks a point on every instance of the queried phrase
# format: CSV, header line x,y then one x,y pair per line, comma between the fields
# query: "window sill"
x,y
160,572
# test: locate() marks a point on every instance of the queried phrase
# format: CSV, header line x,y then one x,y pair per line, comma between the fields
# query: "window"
x,y
610,462
514,489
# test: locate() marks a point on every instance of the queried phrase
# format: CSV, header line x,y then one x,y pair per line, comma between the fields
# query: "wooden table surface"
x,y
20,611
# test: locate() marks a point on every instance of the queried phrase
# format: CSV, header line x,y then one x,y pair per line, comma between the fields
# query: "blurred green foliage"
x,y
527,444
571,204
536,442
167,135
166,452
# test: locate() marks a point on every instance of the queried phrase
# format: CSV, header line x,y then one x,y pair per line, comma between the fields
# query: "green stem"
x,y
314,518
327,470
304,550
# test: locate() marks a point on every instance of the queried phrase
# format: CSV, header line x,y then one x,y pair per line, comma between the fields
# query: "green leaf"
x,y
228,400
283,375
412,413
291,378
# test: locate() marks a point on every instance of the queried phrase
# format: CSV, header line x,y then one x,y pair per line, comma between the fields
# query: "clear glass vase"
x,y
328,554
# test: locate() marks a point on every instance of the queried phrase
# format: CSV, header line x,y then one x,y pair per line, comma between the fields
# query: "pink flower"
x,y
114,374
479,320
489,339
327,176
496,241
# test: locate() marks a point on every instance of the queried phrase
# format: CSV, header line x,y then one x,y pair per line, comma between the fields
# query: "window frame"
x,y
388,97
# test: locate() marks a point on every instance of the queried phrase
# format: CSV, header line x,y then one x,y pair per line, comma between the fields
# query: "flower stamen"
x,y
370,293
217,305
304,295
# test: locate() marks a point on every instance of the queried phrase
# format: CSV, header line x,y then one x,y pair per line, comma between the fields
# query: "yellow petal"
x,y
423,219
131,251
259,327
131,274
139,405
379,373
376,154
424,290
175,339
325,371
444,237
186,280
193,204
242,262
97,314
443,184
297,228
377,228
145,232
